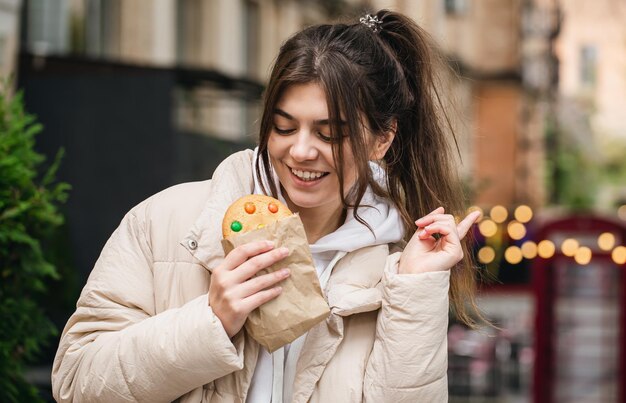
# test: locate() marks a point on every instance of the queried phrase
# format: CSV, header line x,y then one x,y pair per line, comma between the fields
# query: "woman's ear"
x,y
382,143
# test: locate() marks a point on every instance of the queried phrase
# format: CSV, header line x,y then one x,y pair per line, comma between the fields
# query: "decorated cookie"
x,y
252,212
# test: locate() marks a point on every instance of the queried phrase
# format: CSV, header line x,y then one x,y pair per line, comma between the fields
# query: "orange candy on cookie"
x,y
249,207
251,212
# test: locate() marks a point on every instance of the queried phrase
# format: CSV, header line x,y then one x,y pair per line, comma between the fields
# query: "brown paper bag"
x,y
301,305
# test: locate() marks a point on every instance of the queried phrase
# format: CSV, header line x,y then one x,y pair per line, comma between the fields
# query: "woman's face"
x,y
301,152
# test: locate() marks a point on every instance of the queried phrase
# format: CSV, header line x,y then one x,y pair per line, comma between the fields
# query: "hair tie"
x,y
372,22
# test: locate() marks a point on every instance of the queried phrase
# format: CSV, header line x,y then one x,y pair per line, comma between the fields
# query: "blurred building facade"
x,y
592,51
9,36
592,89
502,51
235,38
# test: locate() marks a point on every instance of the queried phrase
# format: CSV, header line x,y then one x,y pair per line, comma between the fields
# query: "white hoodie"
x,y
275,373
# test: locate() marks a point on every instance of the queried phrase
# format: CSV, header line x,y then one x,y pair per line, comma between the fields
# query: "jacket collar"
x,y
231,180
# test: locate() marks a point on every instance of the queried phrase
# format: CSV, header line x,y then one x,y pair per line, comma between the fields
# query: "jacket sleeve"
x,y
409,359
115,348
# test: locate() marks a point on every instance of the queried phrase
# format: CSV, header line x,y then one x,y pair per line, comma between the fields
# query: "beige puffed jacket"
x,y
143,329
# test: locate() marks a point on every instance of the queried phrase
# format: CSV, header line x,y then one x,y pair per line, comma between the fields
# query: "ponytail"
x,y
420,164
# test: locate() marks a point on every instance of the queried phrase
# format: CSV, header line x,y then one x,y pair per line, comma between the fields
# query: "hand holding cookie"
x,y
273,291
235,290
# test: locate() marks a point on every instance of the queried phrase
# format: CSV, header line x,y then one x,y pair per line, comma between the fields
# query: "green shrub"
x,y
29,214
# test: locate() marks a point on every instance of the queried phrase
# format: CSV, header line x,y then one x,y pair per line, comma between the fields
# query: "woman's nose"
x,y
303,148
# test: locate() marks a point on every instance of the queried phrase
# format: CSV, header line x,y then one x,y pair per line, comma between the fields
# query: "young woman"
x,y
352,139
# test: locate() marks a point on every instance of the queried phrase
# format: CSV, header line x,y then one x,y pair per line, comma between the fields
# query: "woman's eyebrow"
x,y
320,122
284,114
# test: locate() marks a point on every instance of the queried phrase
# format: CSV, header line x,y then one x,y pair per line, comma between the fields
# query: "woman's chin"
x,y
298,202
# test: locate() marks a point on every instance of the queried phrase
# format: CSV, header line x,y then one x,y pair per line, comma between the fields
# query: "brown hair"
x,y
373,79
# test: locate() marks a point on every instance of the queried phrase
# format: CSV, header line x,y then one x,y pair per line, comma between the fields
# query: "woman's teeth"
x,y
306,175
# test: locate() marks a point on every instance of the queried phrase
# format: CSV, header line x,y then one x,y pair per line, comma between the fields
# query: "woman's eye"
x,y
282,131
324,137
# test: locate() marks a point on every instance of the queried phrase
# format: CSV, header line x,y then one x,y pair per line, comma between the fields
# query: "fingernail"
x,y
270,244
279,289
284,251
285,272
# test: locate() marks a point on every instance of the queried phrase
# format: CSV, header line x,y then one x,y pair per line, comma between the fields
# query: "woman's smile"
x,y
306,177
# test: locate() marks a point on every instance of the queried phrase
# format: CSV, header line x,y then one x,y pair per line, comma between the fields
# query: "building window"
x,y
456,7
93,28
102,28
588,65
188,33
252,37
48,30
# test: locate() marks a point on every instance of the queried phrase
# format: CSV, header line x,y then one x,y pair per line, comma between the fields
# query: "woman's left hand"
x,y
426,253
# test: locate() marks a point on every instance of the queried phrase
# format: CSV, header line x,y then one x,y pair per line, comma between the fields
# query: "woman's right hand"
x,y
234,292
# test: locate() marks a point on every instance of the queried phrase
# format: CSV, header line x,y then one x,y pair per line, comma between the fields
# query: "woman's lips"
x,y
305,183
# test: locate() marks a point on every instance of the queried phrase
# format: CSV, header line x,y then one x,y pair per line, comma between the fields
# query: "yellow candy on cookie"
x,y
252,212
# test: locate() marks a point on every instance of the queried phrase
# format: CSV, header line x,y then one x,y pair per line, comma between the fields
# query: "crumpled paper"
x,y
301,305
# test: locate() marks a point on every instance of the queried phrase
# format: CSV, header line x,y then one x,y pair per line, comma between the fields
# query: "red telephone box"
x,y
580,326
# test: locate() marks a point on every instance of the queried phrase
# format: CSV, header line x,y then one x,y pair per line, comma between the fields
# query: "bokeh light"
x,y
516,230
583,255
523,213
513,254
546,249
606,241
487,228
498,214
619,255
569,247
529,250
621,212
486,254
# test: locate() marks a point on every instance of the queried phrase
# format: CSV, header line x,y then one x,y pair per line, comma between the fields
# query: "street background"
x,y
145,94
